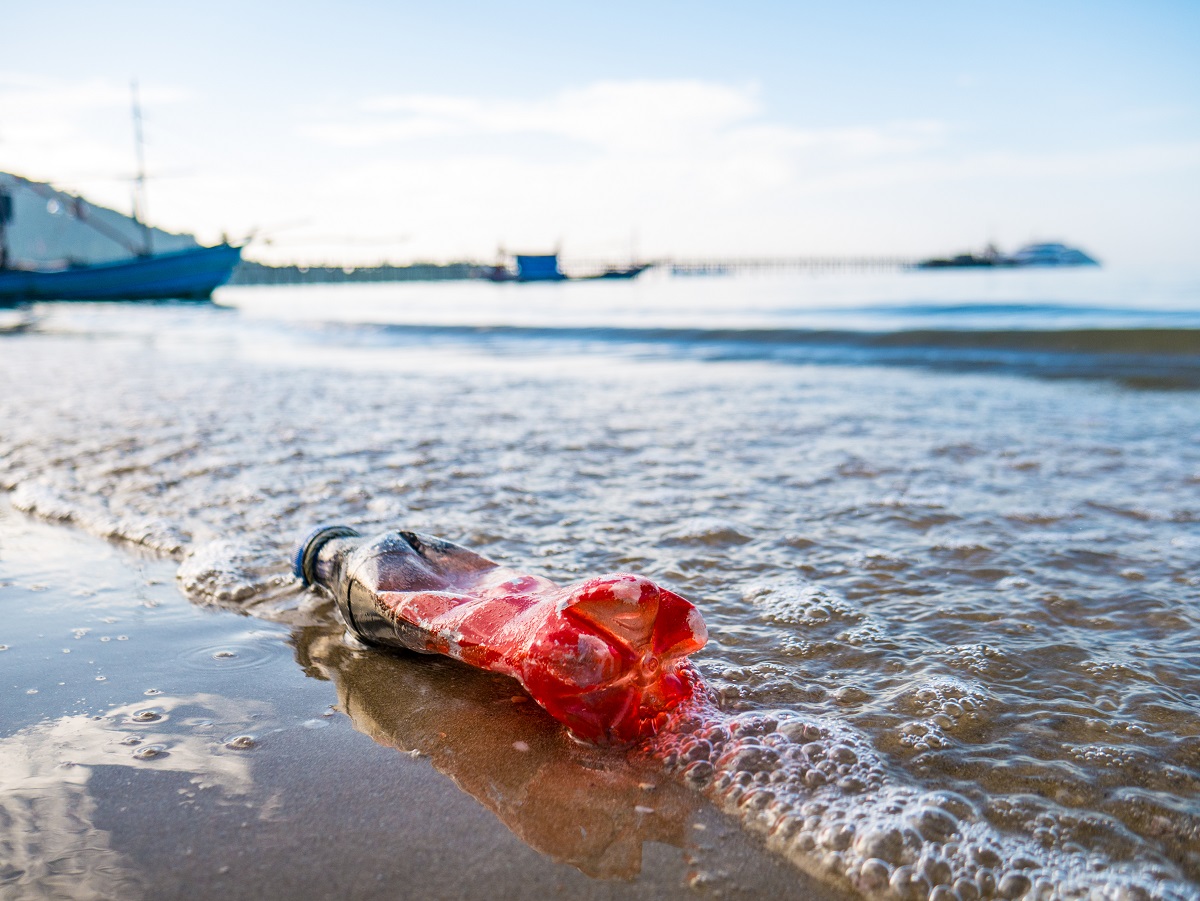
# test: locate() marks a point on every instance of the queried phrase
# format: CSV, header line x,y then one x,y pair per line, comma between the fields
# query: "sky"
x,y
360,132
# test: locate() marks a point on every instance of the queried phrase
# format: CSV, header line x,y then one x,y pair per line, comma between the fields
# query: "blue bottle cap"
x,y
305,552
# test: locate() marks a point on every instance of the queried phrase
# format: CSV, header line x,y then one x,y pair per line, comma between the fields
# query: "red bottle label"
x,y
607,657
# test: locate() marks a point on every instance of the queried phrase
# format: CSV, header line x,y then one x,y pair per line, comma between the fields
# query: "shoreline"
x,y
186,755
974,588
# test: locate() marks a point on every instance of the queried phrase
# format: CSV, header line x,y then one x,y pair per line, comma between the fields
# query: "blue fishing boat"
x,y
191,274
181,269
543,267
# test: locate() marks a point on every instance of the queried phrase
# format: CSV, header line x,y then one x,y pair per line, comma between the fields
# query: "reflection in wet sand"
x,y
589,808
50,845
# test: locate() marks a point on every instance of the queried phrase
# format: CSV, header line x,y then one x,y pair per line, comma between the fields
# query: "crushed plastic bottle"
x,y
607,657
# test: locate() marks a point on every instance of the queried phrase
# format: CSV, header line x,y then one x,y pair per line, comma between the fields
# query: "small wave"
x,y
708,532
221,572
824,798
1182,341
1137,357
151,532
801,604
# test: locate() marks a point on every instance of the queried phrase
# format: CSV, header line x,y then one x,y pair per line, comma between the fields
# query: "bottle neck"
x,y
316,556
329,564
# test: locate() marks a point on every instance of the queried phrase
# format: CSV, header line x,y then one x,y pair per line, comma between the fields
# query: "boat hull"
x,y
187,274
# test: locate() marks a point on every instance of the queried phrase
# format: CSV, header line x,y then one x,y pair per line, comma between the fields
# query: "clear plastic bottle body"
x,y
607,656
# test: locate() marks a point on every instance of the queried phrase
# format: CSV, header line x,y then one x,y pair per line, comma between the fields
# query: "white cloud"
x,y
76,133
589,163
640,117
692,166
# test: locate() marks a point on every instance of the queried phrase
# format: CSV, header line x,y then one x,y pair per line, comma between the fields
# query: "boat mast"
x,y
139,180
6,212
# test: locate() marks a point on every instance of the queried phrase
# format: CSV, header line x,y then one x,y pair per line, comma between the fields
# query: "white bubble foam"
x,y
822,796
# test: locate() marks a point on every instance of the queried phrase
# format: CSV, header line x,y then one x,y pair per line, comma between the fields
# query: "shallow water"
x,y
953,618
154,748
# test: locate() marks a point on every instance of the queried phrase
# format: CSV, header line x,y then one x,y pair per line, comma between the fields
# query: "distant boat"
x,y
962,261
544,268
620,272
191,274
1042,254
541,267
1051,254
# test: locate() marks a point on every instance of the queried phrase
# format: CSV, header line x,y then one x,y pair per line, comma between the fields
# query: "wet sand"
x,y
151,747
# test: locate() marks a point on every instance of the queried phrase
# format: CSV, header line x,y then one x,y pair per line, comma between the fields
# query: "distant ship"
x,y
544,268
117,264
1042,254
1051,255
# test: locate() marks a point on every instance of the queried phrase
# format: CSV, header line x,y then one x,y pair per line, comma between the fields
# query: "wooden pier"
x,y
252,273
729,265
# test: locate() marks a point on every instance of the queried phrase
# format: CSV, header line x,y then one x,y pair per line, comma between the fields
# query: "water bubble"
x,y
850,694
757,799
936,870
102,678
150,752
241,742
696,750
152,691
909,885
985,881
1014,885
934,824
885,843
224,654
873,876
984,856
149,715
843,754
837,837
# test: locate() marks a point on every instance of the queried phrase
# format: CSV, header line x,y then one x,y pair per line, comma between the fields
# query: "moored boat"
x,y
1051,254
544,268
98,253
1039,254
191,274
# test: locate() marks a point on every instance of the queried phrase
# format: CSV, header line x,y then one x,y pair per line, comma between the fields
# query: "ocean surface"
x,y
944,528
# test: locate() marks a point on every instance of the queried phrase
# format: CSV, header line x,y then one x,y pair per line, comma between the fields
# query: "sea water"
x,y
944,527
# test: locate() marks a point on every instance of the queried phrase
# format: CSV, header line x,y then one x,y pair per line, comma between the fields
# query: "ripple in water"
x,y
254,652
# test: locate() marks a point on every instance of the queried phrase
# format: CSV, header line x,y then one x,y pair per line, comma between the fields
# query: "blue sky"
x,y
358,132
